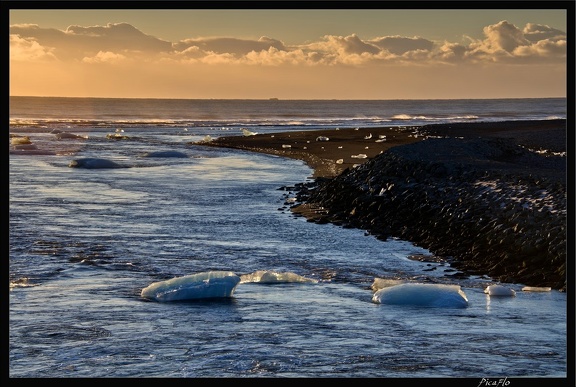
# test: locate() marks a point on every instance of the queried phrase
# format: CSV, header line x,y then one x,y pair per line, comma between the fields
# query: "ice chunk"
x,y
381,283
210,284
499,290
536,289
419,294
269,276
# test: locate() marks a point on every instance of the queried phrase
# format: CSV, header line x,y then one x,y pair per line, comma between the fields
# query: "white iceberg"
x,y
270,277
536,289
210,284
500,291
381,283
419,294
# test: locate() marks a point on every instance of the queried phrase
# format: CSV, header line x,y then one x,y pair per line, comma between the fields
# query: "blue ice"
x,y
419,294
210,284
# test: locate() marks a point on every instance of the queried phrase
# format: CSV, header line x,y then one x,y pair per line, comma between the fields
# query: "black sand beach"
x,y
488,197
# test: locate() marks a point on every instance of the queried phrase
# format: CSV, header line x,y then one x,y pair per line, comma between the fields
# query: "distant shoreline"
x,y
346,147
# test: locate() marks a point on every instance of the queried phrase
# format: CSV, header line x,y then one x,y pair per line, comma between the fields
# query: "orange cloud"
x,y
96,44
120,60
28,49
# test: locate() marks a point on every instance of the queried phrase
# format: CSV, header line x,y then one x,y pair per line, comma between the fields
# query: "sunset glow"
x,y
336,54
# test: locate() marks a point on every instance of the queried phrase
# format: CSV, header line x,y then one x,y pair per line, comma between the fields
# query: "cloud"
x,y
400,45
105,57
352,45
503,42
503,36
275,57
236,47
537,32
117,37
77,43
451,52
29,49
341,50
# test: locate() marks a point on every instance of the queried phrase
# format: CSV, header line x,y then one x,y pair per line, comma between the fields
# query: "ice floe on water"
x,y
500,291
214,284
419,294
211,284
536,289
222,284
270,277
247,132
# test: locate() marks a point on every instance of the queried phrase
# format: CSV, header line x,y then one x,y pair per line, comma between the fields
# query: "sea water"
x,y
83,243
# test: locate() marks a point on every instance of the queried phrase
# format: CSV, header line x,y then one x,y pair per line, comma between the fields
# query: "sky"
x,y
289,53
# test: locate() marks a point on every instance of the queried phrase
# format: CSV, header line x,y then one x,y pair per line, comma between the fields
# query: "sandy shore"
x,y
329,152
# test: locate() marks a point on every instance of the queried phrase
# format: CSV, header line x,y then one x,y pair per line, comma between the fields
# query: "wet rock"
x,y
495,207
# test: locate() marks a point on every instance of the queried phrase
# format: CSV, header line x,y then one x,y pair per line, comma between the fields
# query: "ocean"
x,y
83,243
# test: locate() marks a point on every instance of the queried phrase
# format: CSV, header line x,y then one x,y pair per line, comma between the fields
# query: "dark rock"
x,y
497,208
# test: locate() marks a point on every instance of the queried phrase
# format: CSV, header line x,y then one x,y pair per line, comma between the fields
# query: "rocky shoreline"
x,y
490,198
